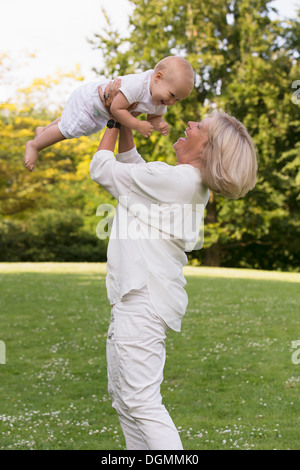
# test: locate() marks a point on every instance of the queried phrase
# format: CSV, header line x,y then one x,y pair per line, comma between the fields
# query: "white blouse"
x,y
158,218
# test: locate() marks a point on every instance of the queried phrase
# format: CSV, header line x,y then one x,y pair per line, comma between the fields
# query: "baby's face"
x,y
168,89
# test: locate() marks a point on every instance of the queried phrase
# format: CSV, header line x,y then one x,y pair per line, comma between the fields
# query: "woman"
x,y
145,284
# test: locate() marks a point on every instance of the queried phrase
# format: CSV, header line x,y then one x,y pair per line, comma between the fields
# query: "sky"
x,y
56,33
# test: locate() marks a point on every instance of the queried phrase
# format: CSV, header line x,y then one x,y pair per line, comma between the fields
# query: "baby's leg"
x,y
39,130
49,136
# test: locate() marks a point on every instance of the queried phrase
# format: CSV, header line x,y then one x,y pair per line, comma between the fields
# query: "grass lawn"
x,y
230,382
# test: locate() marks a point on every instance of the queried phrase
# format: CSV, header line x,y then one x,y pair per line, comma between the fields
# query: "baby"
x,y
171,80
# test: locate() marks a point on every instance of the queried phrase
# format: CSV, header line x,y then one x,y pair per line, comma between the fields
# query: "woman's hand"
x,y
110,92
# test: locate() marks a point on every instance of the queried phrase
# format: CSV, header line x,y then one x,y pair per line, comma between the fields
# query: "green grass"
x,y
230,382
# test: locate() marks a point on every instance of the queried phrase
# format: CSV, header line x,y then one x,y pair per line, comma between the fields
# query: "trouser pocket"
x,y
129,325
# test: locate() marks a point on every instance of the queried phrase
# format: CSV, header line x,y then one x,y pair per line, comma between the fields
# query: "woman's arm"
x,y
126,141
127,151
108,141
105,170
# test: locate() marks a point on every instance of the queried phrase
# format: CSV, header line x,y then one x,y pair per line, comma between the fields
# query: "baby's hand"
x,y
164,128
145,128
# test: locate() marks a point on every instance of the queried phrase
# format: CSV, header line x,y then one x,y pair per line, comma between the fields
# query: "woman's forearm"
x,y
126,141
108,141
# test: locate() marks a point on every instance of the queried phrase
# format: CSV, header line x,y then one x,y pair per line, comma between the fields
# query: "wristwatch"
x,y
111,123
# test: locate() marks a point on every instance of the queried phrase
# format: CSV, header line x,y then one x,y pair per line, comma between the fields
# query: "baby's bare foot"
x,y
38,131
31,155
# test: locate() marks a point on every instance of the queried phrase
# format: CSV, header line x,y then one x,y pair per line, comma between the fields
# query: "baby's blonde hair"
x,y
230,162
175,64
174,61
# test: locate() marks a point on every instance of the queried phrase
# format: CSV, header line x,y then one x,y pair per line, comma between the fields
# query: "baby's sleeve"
x,y
132,88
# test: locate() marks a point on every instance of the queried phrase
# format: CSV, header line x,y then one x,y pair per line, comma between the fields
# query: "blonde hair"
x,y
176,64
230,163
175,61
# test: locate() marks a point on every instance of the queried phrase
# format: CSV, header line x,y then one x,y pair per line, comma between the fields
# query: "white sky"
x,y
57,31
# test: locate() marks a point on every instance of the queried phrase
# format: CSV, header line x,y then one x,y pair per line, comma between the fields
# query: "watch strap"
x,y
112,123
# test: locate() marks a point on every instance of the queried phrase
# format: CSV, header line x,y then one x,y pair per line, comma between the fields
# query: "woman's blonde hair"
x,y
230,163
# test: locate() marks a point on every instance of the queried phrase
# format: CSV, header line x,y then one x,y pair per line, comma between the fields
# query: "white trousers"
x,y
135,363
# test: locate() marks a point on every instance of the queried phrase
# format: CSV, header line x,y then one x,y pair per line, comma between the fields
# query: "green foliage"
x,y
245,64
50,235
50,214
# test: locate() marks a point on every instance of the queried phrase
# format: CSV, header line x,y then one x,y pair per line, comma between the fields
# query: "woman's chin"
x,y
179,142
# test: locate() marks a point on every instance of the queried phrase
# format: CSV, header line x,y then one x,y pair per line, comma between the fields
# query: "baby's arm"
x,y
119,110
158,123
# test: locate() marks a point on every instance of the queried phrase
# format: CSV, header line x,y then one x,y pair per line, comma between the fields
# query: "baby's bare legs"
x,y
45,137
39,130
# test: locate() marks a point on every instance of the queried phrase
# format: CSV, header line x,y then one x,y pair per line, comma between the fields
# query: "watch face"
x,y
111,123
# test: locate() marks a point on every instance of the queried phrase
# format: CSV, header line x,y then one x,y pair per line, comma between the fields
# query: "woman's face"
x,y
188,150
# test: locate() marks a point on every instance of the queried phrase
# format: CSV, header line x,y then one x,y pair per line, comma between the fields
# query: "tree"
x,y
49,214
245,64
